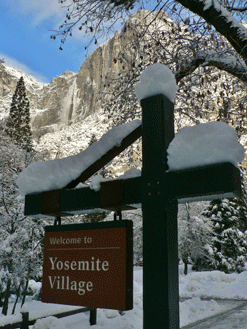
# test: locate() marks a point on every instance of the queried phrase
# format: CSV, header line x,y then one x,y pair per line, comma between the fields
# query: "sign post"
x,y
159,192
160,246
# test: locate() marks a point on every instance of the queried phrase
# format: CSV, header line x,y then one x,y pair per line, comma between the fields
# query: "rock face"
x,y
71,97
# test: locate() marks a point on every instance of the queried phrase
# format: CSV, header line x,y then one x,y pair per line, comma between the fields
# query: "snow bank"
x,y
214,284
206,143
34,288
55,174
49,323
156,79
24,309
194,309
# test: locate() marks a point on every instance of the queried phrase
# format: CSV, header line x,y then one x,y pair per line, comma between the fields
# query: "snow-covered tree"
x,y
18,122
229,245
20,236
241,203
194,238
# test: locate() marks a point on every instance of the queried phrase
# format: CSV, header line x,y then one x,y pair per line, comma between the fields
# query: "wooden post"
x,y
25,319
93,316
160,251
6,298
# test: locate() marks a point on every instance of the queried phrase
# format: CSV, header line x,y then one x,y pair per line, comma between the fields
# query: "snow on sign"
x,y
89,265
58,173
203,144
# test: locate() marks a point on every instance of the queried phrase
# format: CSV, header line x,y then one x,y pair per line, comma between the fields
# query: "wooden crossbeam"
x,y
207,182
204,183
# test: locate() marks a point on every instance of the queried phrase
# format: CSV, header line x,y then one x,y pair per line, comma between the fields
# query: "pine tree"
x,y
18,122
241,203
229,245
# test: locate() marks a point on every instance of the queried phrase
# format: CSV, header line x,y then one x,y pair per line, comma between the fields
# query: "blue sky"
x,y
25,39
25,43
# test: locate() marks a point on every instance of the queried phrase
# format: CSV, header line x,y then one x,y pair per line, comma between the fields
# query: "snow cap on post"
x,y
156,79
205,144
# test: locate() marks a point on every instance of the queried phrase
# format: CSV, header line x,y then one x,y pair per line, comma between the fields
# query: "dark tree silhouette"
x,y
18,122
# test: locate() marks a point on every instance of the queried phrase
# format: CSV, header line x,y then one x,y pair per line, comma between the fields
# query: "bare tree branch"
x,y
229,65
241,10
216,15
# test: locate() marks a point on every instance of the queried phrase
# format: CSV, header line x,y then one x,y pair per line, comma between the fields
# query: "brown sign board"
x,y
89,265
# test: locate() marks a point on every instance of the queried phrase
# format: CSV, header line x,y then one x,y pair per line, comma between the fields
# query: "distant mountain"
x,y
71,97
68,98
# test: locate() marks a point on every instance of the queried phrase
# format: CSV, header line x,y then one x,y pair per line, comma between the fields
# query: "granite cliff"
x,y
70,97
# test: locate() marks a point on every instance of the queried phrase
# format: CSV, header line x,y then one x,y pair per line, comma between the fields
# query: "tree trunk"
x,y
185,268
6,299
25,293
17,297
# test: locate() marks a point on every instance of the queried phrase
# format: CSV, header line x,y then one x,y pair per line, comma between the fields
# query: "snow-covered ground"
x,y
195,285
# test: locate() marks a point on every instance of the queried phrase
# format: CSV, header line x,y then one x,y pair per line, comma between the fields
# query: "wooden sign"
x,y
89,265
